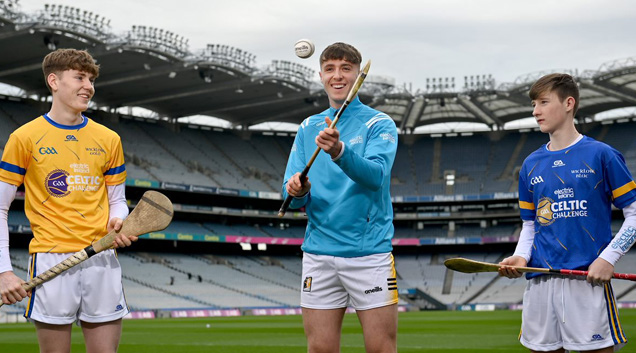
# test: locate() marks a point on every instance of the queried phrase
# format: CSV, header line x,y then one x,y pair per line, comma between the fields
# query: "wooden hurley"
x,y
461,264
153,212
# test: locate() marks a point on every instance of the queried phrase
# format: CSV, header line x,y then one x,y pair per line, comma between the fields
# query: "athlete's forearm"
x,y
526,238
369,173
624,239
7,194
372,168
117,201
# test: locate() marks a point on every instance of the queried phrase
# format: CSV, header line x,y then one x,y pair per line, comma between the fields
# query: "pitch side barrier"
x,y
242,239
175,313
229,238
298,241
203,312
503,306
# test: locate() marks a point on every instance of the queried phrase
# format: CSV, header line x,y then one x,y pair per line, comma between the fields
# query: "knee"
x,y
388,348
323,347
387,344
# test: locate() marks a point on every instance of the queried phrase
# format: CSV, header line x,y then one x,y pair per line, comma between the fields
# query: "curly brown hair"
x,y
69,59
341,51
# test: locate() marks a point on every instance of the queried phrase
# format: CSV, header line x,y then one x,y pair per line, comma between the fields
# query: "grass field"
x,y
439,331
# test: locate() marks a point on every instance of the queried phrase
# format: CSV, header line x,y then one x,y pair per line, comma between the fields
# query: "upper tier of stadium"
x,y
426,165
157,70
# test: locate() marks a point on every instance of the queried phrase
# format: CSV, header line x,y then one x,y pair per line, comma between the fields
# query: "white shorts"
x,y
363,283
91,291
567,312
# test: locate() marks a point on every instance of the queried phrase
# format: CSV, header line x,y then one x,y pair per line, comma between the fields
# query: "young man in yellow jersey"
x,y
73,173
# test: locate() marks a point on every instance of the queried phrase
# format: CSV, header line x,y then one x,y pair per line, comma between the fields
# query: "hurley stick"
x,y
153,212
352,94
471,266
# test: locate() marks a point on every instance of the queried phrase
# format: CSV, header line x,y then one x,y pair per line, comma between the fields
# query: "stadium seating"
x,y
161,162
469,164
178,278
181,281
17,217
248,160
256,161
428,273
621,137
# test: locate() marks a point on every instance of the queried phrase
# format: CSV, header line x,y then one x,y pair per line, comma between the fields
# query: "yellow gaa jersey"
x,y
65,170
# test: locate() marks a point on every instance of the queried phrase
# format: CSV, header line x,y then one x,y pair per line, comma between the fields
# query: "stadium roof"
x,y
612,86
155,69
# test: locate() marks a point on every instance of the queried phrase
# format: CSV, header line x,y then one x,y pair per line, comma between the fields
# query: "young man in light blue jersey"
x,y
566,191
347,258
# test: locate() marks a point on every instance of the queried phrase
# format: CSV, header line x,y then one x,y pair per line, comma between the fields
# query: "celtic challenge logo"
x,y
545,217
56,184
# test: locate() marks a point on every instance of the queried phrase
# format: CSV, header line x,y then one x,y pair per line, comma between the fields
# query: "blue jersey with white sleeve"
x,y
569,194
349,207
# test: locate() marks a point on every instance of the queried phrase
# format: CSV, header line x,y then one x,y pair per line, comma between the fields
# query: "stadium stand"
x,y
434,278
468,164
499,174
422,159
193,156
148,142
157,152
476,216
625,290
201,285
176,281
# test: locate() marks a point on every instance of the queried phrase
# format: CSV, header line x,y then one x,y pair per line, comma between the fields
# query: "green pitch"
x,y
439,331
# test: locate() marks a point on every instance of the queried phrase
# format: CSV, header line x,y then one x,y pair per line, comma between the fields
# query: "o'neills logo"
x,y
376,289
56,184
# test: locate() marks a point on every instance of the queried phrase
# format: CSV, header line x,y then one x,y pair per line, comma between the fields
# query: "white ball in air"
x,y
304,48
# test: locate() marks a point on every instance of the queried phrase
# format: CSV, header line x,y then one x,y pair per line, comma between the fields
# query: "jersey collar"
x,y
67,127
351,108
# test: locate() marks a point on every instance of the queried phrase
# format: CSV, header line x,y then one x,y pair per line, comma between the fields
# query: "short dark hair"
x,y
562,84
341,51
61,60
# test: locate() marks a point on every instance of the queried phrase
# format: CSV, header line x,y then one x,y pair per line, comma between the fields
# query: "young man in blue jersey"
x,y
73,172
566,191
347,258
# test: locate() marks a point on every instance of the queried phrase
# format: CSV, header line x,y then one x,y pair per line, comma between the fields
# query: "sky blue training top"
x,y
349,205
569,195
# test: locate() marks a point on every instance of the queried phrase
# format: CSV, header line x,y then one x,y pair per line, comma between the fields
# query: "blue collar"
x,y
352,108
67,127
